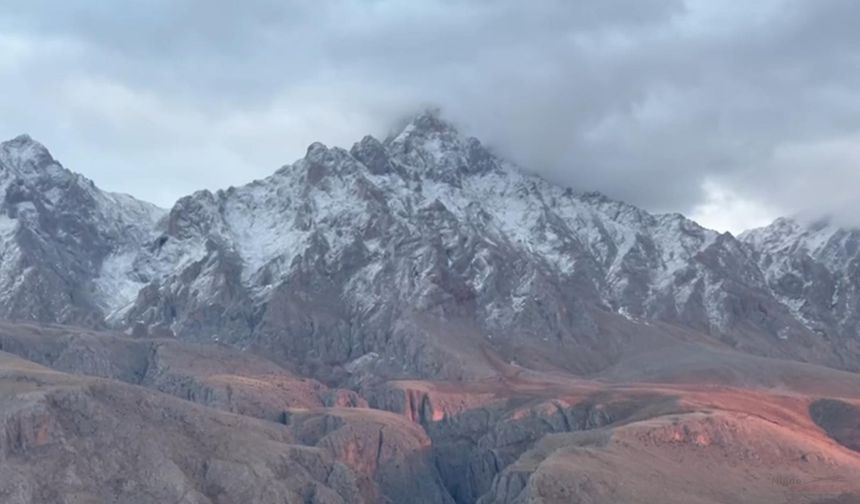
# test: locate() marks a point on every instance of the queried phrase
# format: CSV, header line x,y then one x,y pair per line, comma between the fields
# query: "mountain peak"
x,y
22,142
426,124
431,120
436,146
25,155
23,138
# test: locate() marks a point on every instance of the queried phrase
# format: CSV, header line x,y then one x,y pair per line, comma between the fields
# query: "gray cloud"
x,y
728,111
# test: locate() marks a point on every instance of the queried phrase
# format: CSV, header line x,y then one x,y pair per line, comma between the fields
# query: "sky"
x,y
733,113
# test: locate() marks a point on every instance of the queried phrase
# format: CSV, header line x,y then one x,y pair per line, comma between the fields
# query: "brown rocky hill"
x,y
106,418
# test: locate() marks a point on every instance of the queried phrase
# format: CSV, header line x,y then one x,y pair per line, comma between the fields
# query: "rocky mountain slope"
x,y
409,257
814,270
61,238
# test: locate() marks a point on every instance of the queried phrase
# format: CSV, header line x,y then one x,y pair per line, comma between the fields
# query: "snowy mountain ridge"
x,y
57,229
389,248
813,269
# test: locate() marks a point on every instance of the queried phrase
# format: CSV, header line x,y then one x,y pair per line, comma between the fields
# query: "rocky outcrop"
x,y
840,419
391,455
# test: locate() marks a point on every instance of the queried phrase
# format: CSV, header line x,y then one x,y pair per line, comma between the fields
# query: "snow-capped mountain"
x,y
406,255
61,237
814,270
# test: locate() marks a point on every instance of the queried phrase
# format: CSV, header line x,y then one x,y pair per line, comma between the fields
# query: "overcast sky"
x,y
731,112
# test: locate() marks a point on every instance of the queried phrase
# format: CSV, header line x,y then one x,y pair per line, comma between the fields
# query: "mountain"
x,y
61,238
415,319
814,270
414,256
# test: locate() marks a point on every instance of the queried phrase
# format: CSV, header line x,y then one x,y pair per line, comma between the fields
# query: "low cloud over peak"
x,y
731,112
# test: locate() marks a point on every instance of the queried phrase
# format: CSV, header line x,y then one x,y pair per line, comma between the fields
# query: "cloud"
x,y
725,209
702,106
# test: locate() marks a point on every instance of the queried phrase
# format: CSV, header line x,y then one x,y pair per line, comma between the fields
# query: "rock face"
x,y
391,456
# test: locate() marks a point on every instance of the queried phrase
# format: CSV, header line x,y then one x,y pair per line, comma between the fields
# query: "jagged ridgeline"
x,y
414,256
